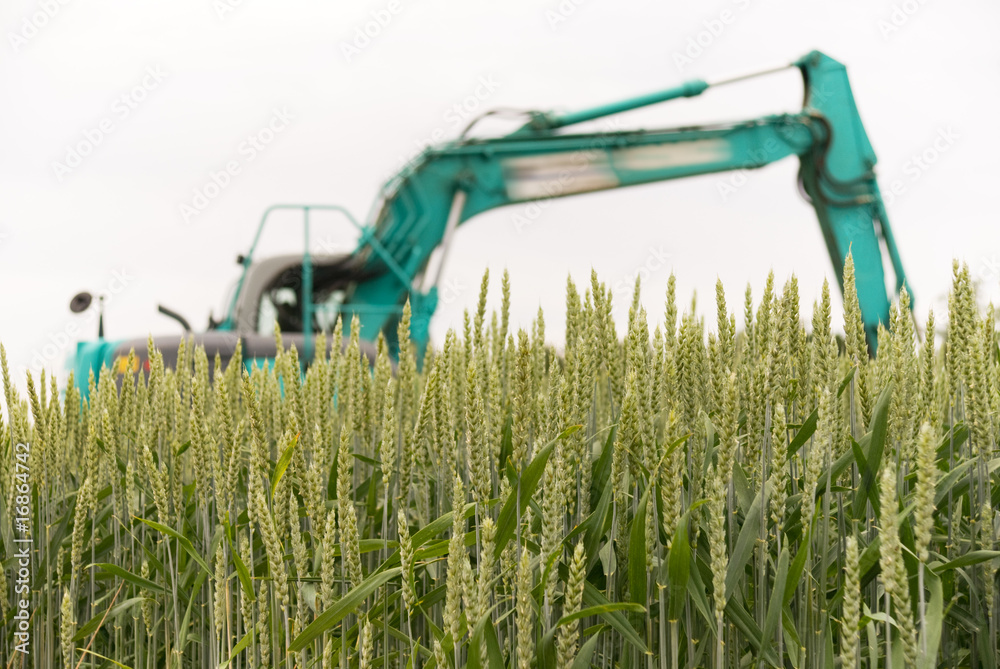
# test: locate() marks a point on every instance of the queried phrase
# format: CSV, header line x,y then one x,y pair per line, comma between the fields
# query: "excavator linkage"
x,y
536,161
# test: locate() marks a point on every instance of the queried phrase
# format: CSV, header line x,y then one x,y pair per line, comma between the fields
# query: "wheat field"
x,y
697,496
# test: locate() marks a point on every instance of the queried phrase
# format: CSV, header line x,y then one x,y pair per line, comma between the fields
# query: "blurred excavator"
x,y
401,252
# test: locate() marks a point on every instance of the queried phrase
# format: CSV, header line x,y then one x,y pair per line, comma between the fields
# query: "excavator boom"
x,y
449,184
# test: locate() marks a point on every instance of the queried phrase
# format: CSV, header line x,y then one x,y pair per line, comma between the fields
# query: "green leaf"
x,y
859,455
862,447
342,608
953,439
743,621
128,576
956,481
791,637
879,423
868,562
837,469
283,461
846,380
546,651
238,648
872,635
122,467
493,649
933,621
530,477
601,470
609,560
597,523
795,570
745,542
742,489
91,625
697,590
371,462
572,429
241,569
678,567
970,558
637,552
437,526
478,636
184,542
600,610
154,562
593,597
806,431
87,651
187,614
773,615
586,652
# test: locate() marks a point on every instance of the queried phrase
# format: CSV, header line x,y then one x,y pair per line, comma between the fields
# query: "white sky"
x,y
356,120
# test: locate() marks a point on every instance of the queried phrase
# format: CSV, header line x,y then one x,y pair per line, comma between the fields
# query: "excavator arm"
x,y
449,184
421,207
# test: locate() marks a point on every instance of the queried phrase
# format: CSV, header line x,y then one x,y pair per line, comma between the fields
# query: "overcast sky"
x,y
174,90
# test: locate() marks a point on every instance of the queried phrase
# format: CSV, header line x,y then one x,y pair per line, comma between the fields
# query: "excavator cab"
x,y
272,294
301,294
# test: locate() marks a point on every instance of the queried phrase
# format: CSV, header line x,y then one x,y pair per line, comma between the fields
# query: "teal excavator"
x,y
446,185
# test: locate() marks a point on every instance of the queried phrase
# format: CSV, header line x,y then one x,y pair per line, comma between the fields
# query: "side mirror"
x,y
80,302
